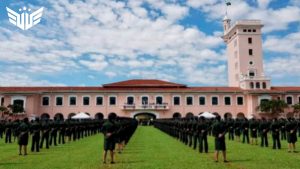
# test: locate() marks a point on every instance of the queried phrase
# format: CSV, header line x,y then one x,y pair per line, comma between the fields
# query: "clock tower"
x,y
245,56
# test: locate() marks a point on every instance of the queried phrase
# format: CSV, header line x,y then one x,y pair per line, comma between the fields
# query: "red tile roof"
x,y
138,85
143,83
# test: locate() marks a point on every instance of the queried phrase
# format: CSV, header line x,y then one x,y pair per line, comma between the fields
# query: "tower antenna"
x,y
228,3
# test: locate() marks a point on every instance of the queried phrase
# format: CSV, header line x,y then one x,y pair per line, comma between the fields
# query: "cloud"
x,y
287,44
274,19
16,79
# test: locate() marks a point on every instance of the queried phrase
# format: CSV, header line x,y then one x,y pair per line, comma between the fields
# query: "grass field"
x,y
148,149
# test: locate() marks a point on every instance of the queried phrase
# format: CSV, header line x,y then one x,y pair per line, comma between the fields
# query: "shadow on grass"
x,y
132,161
12,163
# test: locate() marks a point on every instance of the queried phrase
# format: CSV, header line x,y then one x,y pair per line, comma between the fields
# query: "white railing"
x,y
151,106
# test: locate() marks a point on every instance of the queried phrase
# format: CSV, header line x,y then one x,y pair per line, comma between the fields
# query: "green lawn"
x,y
148,149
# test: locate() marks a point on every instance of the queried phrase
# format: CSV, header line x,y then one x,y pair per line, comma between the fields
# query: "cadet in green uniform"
x,y
23,137
109,129
275,127
219,130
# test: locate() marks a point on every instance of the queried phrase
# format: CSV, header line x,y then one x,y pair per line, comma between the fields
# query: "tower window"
x,y
254,30
250,40
250,52
244,30
249,30
251,73
257,85
251,63
264,85
251,85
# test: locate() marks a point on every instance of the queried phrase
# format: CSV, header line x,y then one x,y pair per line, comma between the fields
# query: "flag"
x,y
228,3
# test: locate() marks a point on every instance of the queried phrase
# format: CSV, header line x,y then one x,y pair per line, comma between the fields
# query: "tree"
x,y
4,111
296,108
272,106
16,108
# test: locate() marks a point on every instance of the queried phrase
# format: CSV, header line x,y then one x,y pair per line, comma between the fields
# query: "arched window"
x,y
189,115
59,116
240,115
45,116
227,115
71,115
177,115
99,116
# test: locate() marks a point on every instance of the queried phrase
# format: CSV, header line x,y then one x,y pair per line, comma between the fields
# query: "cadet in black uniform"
x,y
23,137
35,130
291,128
202,130
245,128
62,131
109,129
275,127
253,131
219,130
195,132
45,134
264,128
237,129
230,129
282,129
53,132
1,129
8,131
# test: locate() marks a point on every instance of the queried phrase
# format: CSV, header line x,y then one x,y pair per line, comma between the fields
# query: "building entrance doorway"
x,y
145,118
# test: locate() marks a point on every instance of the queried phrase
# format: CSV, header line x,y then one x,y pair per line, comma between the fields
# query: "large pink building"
x,y
248,86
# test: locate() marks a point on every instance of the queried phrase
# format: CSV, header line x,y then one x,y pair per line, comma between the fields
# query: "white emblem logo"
x,y
24,20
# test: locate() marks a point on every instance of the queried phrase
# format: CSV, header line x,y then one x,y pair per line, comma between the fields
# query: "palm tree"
x,y
272,106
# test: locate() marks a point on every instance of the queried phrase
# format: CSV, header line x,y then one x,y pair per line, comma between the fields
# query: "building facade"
x,y
248,86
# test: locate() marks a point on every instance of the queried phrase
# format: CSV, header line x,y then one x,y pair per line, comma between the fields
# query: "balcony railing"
x,y
151,106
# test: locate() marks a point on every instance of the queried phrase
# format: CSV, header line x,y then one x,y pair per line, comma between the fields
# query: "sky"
x,y
94,42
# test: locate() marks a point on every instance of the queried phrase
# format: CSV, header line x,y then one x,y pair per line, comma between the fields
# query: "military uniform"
x,y
291,128
264,128
202,132
8,132
218,131
45,134
35,130
245,128
109,130
23,136
275,127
